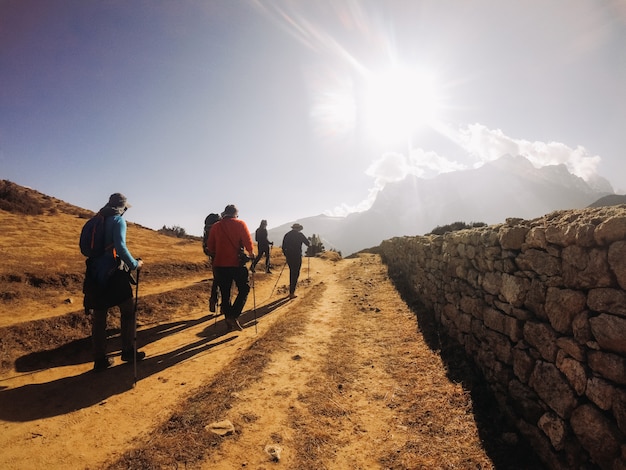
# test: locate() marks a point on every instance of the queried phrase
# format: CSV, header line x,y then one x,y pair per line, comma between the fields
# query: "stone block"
x,y
608,301
543,338
600,392
619,409
523,364
617,261
536,299
597,434
572,348
542,446
562,305
581,328
499,344
585,269
553,388
575,373
607,365
555,428
610,332
560,235
491,282
584,235
514,289
540,262
512,238
536,238
610,230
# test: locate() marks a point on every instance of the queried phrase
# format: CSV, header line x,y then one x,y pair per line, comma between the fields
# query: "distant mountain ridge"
x,y
508,187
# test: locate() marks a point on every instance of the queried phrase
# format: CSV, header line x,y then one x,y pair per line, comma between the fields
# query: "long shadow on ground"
x,y
493,427
37,401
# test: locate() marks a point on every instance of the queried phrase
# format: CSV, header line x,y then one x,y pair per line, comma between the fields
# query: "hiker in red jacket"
x,y
227,240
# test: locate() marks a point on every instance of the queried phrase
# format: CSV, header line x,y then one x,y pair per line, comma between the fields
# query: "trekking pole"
x,y
216,314
135,328
278,279
256,331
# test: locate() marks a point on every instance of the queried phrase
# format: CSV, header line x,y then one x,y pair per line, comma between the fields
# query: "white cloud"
x,y
390,167
490,144
431,164
346,209
393,166
481,144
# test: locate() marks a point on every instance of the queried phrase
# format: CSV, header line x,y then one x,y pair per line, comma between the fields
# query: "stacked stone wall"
x,y
540,306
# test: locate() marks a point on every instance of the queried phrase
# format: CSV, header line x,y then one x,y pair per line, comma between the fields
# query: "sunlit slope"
x,y
42,269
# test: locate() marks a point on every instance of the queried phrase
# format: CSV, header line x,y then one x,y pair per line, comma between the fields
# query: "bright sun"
x,y
398,102
390,106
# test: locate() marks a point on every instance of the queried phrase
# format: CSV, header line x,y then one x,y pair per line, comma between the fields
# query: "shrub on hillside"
x,y
453,227
15,199
175,231
316,246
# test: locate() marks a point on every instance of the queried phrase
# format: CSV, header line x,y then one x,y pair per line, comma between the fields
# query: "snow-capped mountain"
x,y
508,187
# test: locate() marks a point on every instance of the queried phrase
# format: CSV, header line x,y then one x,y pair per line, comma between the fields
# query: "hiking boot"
x,y
212,304
102,364
233,324
127,356
292,296
252,268
267,271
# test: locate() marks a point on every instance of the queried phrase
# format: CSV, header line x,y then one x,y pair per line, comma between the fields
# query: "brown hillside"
x,y
42,268
340,377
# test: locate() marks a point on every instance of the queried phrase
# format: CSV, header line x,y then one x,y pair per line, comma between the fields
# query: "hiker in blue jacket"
x,y
108,284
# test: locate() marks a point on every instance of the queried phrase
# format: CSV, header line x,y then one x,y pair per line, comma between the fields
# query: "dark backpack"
x,y
91,241
208,223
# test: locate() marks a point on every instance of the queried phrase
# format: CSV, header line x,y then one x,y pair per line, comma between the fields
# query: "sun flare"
x,y
400,101
389,105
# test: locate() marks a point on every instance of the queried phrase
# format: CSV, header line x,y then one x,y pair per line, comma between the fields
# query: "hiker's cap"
x,y
118,200
297,227
230,211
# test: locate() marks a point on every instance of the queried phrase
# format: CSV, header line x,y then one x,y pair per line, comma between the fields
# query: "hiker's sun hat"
x,y
230,211
297,227
118,200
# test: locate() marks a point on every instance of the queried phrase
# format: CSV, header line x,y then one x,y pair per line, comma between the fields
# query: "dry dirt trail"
x,y
338,378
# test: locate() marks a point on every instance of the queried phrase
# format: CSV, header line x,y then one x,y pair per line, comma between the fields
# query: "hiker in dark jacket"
x,y
263,245
209,221
292,248
108,284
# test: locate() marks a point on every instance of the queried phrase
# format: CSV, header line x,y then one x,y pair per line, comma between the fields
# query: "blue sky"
x,y
290,109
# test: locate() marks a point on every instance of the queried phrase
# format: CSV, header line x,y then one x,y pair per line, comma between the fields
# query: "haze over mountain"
x,y
508,187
